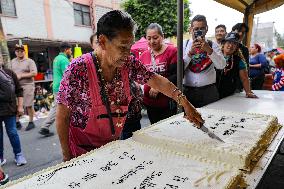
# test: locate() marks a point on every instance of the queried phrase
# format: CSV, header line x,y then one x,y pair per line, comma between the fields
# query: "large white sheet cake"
x,y
245,136
127,164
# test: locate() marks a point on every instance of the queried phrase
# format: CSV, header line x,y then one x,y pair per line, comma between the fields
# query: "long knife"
x,y
210,134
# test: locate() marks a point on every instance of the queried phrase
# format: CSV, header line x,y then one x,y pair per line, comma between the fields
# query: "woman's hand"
x,y
153,93
192,114
66,156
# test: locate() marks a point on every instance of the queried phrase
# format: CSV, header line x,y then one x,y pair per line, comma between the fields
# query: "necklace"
x,y
104,92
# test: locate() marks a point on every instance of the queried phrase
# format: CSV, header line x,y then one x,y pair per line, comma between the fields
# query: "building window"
x,y
82,14
7,8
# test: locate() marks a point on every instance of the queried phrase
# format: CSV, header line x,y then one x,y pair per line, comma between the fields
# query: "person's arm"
x,y
217,56
62,127
142,75
19,93
255,65
31,73
20,109
245,81
164,86
63,65
261,62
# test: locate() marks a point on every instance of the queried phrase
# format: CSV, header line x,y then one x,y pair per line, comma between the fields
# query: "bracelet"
x,y
180,96
176,89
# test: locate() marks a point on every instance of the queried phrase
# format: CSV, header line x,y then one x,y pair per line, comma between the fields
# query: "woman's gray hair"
x,y
157,27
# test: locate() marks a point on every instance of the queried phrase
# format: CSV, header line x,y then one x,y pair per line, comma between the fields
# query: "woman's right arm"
x,y
62,126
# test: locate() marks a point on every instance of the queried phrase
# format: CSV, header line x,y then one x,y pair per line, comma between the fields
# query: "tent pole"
x,y
180,6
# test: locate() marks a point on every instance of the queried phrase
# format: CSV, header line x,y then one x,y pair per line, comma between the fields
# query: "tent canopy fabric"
x,y
140,46
256,6
250,8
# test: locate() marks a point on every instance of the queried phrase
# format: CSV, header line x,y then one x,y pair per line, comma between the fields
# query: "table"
x,y
269,102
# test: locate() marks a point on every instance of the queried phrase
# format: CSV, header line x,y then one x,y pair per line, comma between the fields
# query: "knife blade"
x,y
210,134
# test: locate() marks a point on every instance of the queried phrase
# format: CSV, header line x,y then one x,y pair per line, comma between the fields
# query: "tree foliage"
x,y
163,12
280,39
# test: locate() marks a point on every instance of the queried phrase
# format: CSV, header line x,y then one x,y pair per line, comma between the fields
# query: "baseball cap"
x,y
232,36
19,47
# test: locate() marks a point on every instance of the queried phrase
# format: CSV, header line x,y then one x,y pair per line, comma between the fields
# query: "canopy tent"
x,y
140,46
250,8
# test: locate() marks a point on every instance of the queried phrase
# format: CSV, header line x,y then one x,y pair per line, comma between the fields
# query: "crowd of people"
x,y
100,95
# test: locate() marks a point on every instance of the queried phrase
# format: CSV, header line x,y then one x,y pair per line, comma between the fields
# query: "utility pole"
x,y
4,51
180,10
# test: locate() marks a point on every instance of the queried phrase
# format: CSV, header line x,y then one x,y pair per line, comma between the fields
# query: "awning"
x,y
250,8
38,44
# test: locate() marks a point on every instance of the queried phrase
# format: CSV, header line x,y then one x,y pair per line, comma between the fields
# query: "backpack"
x,y
7,87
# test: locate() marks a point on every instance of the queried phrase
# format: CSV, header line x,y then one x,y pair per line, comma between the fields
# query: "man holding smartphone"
x,y
200,58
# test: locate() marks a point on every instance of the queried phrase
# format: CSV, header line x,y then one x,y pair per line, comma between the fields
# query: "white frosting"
x,y
242,135
127,164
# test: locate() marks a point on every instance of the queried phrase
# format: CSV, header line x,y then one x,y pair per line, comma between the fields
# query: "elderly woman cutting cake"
x,y
94,94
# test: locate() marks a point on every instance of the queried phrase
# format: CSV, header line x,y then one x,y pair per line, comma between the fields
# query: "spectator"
x,y
161,59
200,58
220,33
11,104
242,29
270,58
257,63
94,41
60,63
26,69
235,68
278,83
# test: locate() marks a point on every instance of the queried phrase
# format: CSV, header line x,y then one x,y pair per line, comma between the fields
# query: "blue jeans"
x,y
10,124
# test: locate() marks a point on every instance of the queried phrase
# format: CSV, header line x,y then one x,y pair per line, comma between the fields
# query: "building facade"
x,y
44,24
264,35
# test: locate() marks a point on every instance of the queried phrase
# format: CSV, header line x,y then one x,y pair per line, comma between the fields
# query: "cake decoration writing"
x,y
175,123
45,178
209,116
126,154
223,118
241,121
147,182
237,126
108,166
229,132
134,171
170,186
74,185
178,178
89,176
